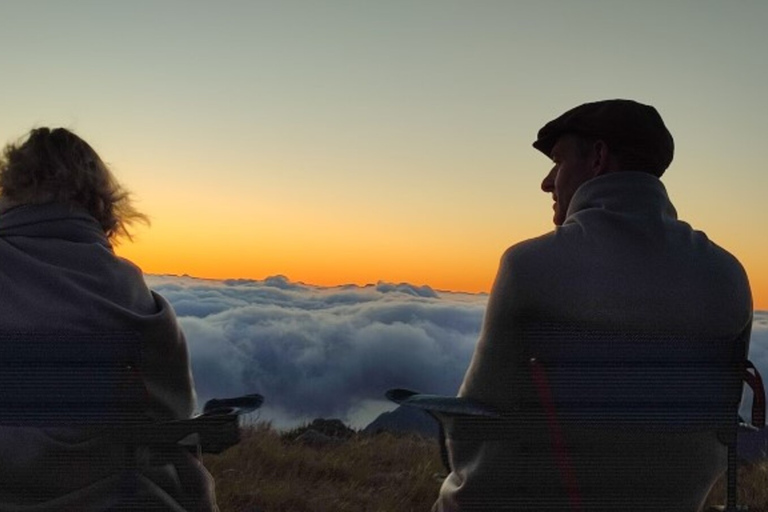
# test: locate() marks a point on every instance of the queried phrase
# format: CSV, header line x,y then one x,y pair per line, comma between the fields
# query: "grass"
x,y
753,488
268,472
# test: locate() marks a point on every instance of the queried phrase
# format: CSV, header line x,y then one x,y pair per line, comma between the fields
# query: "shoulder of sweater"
x,y
524,263
714,250
533,249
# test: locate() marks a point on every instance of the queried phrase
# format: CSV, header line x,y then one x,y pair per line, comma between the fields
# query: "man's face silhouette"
x,y
572,168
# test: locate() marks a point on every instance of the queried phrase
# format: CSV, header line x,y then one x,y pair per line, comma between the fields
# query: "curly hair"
x,y
58,166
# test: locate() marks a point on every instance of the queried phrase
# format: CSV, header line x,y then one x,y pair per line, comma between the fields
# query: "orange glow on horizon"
x,y
318,271
329,270
325,248
759,284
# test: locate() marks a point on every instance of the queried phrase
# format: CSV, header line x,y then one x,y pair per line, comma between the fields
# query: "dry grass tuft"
x,y
268,472
753,488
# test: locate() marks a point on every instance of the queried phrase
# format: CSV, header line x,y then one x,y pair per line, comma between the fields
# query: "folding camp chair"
x,y
655,382
94,381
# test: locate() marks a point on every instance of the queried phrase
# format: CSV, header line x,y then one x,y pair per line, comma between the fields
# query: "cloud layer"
x,y
329,352
758,354
333,352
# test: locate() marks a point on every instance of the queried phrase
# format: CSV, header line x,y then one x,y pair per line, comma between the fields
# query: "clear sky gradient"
x,y
356,141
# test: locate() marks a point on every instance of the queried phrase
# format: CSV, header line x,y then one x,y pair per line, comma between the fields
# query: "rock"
x,y
404,420
321,432
317,439
332,428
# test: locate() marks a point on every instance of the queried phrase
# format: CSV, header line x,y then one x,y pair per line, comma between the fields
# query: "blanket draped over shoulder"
x,y
58,273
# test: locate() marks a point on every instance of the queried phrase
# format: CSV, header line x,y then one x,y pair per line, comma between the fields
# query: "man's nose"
x,y
548,184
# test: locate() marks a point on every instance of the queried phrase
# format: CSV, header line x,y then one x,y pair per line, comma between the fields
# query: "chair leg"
x,y
444,451
732,478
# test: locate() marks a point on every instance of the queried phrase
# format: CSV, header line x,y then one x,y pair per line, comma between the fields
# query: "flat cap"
x,y
627,126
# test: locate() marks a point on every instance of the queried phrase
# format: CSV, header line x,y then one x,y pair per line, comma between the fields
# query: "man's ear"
x,y
600,158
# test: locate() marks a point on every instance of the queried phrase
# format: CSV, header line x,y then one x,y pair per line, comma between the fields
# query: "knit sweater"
x,y
621,260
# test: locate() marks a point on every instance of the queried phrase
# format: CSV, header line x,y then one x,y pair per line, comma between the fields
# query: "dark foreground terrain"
x,y
273,472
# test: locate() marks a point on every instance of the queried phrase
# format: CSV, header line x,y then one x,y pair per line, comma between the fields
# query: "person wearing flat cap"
x,y
620,260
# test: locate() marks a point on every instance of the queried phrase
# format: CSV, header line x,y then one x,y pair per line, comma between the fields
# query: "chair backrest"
x,y
94,382
649,380
69,379
611,379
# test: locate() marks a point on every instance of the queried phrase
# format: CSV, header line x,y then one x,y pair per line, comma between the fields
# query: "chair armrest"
x,y
755,382
239,405
216,429
219,426
449,405
443,409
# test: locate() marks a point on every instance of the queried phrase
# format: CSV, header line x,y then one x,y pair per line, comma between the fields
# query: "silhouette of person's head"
x,y
598,138
55,165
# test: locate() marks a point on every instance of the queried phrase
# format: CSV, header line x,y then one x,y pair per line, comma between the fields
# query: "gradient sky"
x,y
357,141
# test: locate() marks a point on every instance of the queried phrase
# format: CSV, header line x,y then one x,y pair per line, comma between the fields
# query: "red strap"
x,y
758,395
558,439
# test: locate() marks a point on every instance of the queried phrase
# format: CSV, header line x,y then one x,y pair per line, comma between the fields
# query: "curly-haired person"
x,y
61,210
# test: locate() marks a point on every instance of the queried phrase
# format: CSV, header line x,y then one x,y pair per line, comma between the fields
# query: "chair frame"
x,y
94,381
565,395
47,379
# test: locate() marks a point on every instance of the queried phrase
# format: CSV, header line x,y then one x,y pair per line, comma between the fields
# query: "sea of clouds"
x,y
333,351
318,351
